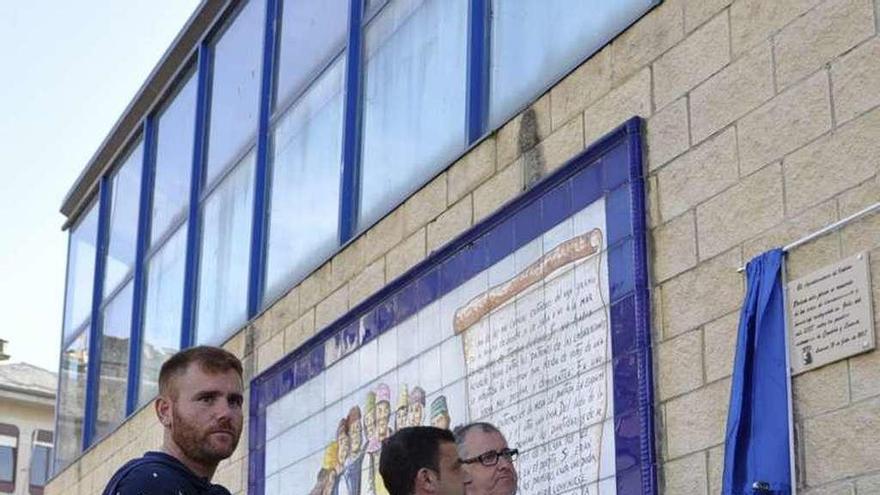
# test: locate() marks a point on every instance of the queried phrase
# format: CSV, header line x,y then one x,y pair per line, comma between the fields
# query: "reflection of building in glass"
x,y
27,408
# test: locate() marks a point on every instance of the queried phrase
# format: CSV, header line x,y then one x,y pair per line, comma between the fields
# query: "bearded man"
x,y
200,408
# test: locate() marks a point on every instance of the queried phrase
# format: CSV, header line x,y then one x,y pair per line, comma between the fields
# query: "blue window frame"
x,y
218,300
113,335
159,287
285,93
235,89
415,86
81,255
304,163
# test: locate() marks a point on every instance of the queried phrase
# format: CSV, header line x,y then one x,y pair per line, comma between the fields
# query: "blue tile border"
x,y
611,167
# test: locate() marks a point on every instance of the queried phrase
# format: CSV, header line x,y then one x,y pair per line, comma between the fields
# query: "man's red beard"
x,y
199,444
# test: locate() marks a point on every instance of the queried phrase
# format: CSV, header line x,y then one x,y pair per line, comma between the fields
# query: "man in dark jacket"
x,y
200,407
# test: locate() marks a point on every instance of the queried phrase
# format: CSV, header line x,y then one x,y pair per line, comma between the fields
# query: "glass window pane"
x,y
414,99
235,87
535,42
225,255
7,466
306,164
124,207
163,309
174,155
71,401
80,271
312,33
8,450
113,368
40,464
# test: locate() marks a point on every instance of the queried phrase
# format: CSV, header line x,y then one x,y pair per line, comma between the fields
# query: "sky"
x,y
67,72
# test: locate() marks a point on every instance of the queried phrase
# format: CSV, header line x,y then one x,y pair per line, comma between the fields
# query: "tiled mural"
x,y
526,323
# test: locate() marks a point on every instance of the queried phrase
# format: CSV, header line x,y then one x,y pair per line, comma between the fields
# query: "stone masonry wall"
x,y
763,125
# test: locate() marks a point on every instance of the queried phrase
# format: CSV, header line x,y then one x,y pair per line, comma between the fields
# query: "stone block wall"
x,y
763,125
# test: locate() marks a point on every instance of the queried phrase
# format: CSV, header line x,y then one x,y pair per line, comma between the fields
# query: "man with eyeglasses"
x,y
421,460
488,461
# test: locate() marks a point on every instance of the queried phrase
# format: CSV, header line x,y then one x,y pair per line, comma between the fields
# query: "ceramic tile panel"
x,y
429,334
407,340
387,351
452,359
351,370
527,321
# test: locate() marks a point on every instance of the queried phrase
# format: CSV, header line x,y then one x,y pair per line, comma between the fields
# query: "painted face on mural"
x,y
354,436
343,446
206,415
383,413
500,479
440,421
370,424
416,411
400,418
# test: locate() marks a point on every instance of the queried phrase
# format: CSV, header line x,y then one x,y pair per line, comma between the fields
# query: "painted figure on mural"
x,y
383,412
401,416
351,472
326,478
343,447
371,455
416,406
440,413
383,431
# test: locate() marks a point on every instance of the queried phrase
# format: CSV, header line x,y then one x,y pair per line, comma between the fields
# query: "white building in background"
x,y
27,413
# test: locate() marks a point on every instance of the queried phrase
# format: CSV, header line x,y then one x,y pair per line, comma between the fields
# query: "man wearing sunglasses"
x,y
487,460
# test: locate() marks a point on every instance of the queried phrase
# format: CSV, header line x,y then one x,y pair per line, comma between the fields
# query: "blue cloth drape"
x,y
756,452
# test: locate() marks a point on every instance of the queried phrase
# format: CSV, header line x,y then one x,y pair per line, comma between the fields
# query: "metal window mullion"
x,y
259,226
478,69
351,132
94,354
143,239
190,285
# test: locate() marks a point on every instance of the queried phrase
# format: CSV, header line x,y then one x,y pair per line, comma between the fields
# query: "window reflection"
x,y
80,271
535,42
113,368
225,255
163,309
306,166
312,33
175,137
235,88
71,400
414,99
124,207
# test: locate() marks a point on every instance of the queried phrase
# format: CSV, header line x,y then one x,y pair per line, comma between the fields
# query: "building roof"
x,y
28,379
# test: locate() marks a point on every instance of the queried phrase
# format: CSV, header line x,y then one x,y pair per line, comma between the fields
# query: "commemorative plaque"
x,y
829,314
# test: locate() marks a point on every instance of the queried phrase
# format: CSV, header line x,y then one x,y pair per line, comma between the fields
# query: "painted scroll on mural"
x,y
536,348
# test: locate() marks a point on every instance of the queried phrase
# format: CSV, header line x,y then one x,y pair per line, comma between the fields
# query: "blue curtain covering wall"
x,y
757,453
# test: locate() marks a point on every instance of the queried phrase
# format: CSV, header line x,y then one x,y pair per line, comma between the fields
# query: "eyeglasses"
x,y
491,457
